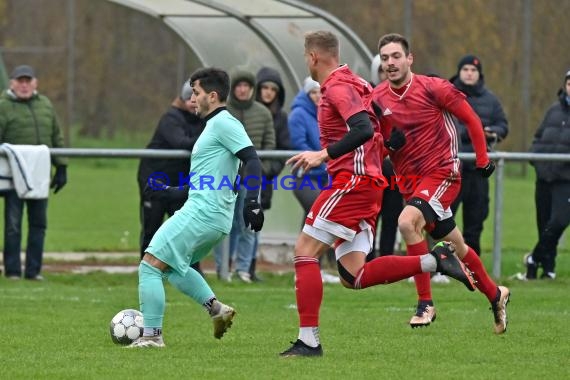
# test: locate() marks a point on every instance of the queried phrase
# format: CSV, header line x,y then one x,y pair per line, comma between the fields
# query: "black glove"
x,y
59,178
396,141
253,214
487,170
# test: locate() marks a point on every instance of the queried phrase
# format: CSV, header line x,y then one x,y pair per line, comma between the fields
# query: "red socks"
x,y
387,269
484,283
308,289
423,285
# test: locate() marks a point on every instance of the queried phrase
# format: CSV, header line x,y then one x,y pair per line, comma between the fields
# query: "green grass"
x,y
58,329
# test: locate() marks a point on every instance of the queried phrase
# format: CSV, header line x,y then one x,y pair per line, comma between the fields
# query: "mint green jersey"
x,y
206,217
214,168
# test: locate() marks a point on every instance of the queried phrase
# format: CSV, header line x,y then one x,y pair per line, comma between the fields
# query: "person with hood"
x,y
474,192
552,192
271,93
178,128
28,118
258,123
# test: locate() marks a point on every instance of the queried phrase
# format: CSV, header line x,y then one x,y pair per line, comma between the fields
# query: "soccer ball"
x,y
126,326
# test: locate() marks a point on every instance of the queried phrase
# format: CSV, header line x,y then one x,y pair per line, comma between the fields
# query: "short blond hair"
x,y
323,41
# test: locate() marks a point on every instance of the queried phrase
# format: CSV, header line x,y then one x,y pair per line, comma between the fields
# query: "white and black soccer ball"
x,y
126,326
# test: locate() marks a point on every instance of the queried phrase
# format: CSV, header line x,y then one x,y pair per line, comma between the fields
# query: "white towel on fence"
x,y
26,168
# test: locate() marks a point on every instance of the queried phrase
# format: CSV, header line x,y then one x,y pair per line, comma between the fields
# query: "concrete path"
x,y
272,258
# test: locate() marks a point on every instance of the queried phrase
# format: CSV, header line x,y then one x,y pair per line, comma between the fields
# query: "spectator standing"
x,y
552,192
474,194
178,128
271,93
28,118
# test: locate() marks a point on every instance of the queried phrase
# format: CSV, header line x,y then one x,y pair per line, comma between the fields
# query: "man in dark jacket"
x,y
178,128
552,191
27,117
475,188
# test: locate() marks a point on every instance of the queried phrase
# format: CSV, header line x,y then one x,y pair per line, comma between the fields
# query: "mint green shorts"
x,y
183,240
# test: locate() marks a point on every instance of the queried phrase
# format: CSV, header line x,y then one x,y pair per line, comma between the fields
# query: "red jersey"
x,y
344,94
421,112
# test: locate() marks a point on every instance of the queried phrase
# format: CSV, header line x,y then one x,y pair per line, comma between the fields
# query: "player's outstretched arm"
x,y
252,211
467,116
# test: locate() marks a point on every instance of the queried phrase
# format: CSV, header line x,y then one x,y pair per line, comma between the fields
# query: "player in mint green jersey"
x,y
206,217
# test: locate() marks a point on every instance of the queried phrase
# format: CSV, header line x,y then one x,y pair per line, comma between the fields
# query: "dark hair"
x,y
213,80
396,38
322,40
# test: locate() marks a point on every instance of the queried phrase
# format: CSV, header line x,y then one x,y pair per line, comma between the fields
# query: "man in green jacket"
x,y
28,118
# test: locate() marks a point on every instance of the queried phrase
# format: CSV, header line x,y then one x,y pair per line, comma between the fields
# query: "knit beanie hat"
x,y
470,60
309,85
186,91
567,76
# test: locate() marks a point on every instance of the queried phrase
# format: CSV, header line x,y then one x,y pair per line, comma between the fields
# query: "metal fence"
x,y
499,157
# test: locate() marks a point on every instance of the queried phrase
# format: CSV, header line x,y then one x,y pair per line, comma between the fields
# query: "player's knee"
x,y
406,226
303,250
416,215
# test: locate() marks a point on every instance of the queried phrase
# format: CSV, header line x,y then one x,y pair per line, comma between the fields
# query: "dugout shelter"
x,y
253,33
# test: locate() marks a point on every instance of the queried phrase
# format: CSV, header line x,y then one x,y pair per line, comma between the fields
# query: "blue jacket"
x,y
304,129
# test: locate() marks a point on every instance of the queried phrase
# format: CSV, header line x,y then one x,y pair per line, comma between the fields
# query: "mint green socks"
x,y
192,284
151,295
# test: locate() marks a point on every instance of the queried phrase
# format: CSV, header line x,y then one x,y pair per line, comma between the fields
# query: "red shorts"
x,y
439,189
350,205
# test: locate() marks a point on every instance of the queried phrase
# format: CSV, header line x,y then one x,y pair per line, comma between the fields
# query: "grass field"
x,y
58,329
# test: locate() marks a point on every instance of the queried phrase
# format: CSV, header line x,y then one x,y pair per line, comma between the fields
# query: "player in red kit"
x,y
344,215
415,113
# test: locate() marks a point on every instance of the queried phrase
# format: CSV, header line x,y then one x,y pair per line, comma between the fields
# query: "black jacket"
x,y
177,129
553,136
488,108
